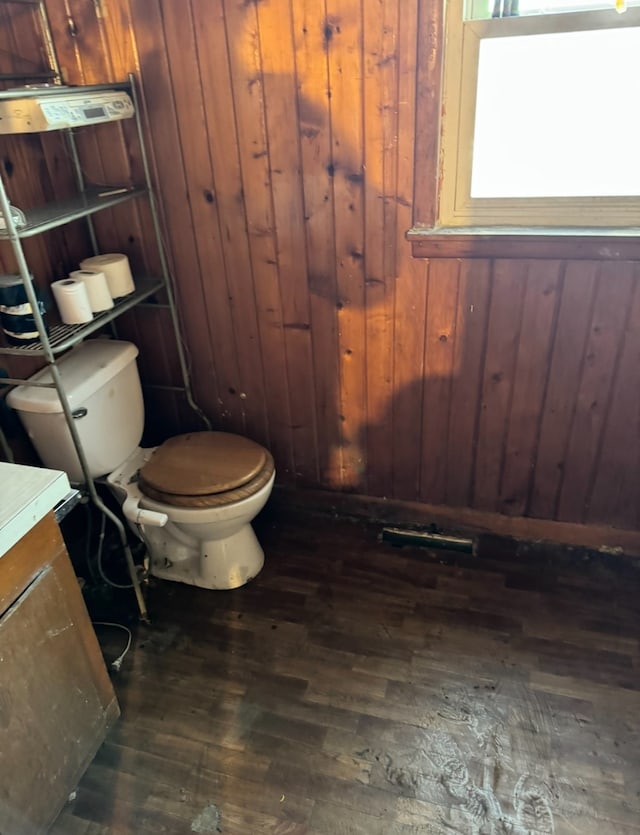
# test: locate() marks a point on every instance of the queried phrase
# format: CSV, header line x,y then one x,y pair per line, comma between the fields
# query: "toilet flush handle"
x,y
152,517
132,511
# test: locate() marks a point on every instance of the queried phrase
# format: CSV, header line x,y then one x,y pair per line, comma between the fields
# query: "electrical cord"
x,y
115,665
89,535
99,559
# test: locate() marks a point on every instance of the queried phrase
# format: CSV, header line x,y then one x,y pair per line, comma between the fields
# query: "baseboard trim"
x,y
460,520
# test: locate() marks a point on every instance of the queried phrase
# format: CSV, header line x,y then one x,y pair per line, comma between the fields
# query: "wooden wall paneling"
x,y
505,320
380,85
21,48
117,23
565,366
84,60
513,413
410,280
285,168
103,152
127,328
111,229
615,498
105,159
427,243
11,58
67,244
439,371
28,183
389,115
55,173
408,358
66,44
26,177
117,28
261,337
232,285
469,351
120,230
149,325
427,129
83,27
139,328
143,328
36,172
315,148
344,44
157,361
87,60
83,51
161,415
460,519
72,240
610,315
544,285
172,189
193,126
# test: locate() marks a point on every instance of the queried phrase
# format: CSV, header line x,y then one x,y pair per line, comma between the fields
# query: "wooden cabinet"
x,y
56,699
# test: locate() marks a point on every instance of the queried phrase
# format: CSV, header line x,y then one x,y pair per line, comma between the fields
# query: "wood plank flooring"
x,y
358,689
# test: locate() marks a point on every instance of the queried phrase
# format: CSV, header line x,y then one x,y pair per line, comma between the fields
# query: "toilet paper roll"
x,y
97,288
72,300
116,268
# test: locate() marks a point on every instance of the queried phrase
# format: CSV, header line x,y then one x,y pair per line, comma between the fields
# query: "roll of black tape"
x,y
16,313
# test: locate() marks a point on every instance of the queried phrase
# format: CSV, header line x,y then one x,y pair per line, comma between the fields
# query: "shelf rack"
x,y
60,338
61,212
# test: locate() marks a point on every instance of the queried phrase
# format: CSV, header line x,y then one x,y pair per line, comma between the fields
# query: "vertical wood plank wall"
x,y
283,140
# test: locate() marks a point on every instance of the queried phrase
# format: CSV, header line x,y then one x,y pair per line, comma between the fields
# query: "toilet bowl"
x,y
207,539
191,500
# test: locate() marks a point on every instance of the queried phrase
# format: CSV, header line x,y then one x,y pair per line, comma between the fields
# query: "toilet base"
x,y
213,547
225,563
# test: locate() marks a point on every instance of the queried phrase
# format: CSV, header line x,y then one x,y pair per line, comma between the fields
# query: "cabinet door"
x,y
51,716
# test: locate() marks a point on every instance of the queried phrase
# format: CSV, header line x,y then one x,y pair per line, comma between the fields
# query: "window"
x,y
541,114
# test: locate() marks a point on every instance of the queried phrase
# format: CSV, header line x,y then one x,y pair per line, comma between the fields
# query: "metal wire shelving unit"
x,y
52,344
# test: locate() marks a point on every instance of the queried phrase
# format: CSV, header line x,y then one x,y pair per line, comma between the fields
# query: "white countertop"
x,y
27,494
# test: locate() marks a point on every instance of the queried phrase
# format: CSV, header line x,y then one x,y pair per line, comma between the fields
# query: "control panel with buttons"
x,y
63,110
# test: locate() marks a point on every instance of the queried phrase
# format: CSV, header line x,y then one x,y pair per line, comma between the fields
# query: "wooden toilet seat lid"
x,y
202,464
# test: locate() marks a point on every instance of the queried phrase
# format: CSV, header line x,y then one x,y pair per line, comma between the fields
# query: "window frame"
x,y
439,155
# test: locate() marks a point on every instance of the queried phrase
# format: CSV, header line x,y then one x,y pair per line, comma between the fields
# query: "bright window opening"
x,y
552,120
541,115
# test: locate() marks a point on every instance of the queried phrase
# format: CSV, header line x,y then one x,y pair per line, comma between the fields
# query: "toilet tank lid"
x,y
84,370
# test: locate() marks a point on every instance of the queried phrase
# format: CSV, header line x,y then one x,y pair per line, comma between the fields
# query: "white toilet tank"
x,y
101,381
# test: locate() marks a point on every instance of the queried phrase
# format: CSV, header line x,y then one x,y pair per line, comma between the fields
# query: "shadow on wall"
x,y
353,347
361,368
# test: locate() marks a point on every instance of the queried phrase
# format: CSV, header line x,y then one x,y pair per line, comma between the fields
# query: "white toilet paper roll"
x,y
97,288
72,300
116,268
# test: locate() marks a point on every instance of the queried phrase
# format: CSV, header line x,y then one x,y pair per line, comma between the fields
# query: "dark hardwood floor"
x,y
358,689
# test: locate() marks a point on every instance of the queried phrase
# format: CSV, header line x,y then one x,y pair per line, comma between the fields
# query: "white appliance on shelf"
x,y
69,108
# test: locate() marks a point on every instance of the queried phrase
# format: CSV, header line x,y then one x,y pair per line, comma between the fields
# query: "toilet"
x,y
191,500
